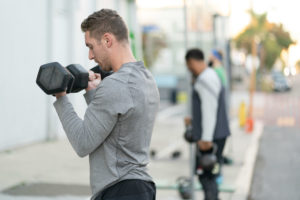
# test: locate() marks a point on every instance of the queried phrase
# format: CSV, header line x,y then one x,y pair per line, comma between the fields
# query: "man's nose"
x,y
91,55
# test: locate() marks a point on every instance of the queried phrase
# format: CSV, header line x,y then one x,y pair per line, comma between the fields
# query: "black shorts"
x,y
132,189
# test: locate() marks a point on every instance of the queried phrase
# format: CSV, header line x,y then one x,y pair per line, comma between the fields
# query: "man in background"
x,y
209,119
215,61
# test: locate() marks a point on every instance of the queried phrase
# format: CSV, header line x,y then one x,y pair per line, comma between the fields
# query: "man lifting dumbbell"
x,y
118,123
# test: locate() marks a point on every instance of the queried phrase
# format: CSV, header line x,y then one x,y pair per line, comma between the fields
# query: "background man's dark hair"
x,y
105,21
194,54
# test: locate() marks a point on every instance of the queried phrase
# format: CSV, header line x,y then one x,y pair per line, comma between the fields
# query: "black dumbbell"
x,y
188,134
207,160
184,186
54,78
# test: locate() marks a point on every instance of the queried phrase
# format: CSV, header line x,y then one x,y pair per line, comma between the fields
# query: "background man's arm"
x,y
209,107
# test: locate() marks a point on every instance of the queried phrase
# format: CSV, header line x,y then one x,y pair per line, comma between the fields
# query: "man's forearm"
x,y
99,119
89,95
73,127
209,107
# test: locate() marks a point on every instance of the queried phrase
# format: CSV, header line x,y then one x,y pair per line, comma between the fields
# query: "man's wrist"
x,y
61,94
205,145
88,89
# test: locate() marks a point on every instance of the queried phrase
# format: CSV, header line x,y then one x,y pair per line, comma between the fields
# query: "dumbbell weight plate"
x,y
53,78
81,77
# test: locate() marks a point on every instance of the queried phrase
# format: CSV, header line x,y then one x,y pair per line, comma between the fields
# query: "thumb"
x,y
98,76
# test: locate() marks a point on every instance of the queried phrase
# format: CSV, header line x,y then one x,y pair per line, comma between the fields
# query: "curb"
x,y
244,179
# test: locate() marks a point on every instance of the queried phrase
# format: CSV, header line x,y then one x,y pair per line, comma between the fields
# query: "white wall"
x,y
22,50
34,32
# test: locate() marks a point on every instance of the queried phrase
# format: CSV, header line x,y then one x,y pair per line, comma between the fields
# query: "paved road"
x,y
277,174
282,110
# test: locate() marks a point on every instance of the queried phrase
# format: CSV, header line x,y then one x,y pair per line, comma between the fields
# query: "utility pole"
x,y
250,121
191,146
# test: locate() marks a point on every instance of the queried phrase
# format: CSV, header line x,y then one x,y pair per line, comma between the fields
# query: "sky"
x,y
286,12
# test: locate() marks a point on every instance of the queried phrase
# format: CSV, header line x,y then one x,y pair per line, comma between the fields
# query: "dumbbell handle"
x,y
97,69
79,85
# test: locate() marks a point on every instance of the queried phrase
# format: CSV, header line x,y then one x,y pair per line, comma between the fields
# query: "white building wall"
x,y
22,50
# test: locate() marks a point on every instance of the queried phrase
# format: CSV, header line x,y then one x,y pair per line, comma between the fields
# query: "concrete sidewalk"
x,y
52,170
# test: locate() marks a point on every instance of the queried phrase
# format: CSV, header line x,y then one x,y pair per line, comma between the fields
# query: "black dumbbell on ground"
x,y
54,78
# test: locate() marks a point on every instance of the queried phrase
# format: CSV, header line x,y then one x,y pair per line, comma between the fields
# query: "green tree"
x,y
273,39
153,43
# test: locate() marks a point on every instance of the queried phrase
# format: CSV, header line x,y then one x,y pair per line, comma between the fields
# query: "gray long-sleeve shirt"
x,y
117,126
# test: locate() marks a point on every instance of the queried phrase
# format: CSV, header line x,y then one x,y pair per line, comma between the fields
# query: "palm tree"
x,y
273,39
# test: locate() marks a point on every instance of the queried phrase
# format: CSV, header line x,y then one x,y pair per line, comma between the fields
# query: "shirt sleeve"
x,y
208,95
100,118
89,95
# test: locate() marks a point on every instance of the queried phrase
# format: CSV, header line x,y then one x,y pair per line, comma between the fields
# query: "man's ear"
x,y
107,39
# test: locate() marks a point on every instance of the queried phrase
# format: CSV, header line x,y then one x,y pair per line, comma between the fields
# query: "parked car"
x,y
280,82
